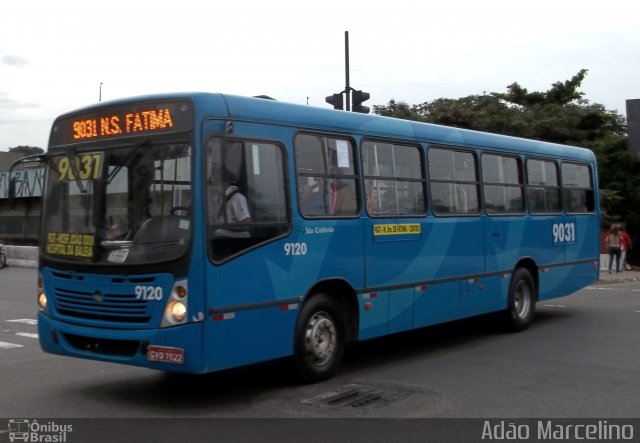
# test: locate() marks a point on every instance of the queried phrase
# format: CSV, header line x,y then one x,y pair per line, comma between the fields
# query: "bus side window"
x,y
543,187
577,187
394,179
246,198
326,176
454,182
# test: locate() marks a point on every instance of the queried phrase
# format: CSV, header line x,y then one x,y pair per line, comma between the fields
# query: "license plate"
x,y
165,354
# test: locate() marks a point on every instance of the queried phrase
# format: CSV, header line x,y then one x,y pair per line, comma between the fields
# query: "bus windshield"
x,y
119,205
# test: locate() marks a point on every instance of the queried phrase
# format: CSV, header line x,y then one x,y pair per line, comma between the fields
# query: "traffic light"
x,y
336,101
357,98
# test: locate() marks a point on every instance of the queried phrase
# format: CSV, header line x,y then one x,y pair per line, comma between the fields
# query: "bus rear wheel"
x,y
319,339
522,300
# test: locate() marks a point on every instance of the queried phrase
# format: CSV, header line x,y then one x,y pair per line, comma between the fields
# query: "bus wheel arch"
x,y
522,297
323,327
530,265
347,300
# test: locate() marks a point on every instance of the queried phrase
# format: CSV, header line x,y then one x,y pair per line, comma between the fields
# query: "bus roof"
x,y
240,108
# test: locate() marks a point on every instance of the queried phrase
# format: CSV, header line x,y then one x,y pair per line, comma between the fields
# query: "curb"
x,y
609,280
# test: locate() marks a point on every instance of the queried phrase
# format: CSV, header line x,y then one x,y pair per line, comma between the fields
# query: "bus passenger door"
x,y
507,240
250,262
393,249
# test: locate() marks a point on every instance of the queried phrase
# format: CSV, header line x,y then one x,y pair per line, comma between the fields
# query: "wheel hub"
x,y
320,339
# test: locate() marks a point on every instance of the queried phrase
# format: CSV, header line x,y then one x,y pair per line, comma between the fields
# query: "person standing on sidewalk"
x,y
614,241
625,246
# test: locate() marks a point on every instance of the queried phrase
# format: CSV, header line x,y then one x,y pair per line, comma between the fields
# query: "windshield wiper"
x,y
127,160
76,172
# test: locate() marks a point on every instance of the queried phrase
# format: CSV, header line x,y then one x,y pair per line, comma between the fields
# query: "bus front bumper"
x,y
173,349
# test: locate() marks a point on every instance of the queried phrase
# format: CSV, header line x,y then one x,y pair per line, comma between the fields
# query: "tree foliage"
x,y
560,115
27,150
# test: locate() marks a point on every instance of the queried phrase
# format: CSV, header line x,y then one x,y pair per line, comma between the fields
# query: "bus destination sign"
x,y
149,118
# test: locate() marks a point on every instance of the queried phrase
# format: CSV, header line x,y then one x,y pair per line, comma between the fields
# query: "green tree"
x,y
560,115
27,150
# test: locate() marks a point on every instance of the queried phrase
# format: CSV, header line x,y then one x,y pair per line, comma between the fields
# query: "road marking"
x,y
5,345
555,306
600,288
28,321
27,334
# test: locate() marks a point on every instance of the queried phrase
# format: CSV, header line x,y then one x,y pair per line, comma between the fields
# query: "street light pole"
x,y
100,93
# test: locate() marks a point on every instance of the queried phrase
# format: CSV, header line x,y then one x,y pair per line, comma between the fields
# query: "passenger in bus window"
x,y
343,198
313,198
237,210
372,199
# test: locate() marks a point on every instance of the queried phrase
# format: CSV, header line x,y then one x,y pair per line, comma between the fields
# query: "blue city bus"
x,y
352,227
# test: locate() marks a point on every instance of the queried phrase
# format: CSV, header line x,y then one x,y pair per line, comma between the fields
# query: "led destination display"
x,y
149,118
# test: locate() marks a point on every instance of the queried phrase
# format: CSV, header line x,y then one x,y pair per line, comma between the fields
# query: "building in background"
x,y
19,225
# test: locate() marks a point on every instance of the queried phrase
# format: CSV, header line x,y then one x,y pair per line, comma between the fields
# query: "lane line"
x,y
5,345
28,321
27,334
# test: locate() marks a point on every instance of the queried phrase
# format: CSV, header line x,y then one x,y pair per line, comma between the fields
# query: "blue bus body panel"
x,y
259,299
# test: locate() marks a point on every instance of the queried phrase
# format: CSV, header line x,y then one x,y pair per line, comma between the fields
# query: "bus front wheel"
x,y
522,300
319,339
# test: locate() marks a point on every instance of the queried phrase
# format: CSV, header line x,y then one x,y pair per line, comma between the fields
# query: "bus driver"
x,y
237,210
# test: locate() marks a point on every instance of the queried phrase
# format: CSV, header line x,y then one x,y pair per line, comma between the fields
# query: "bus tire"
x,y
521,306
319,339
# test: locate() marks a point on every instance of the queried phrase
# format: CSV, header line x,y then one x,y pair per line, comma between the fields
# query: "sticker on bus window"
x,y
343,154
255,154
118,256
70,243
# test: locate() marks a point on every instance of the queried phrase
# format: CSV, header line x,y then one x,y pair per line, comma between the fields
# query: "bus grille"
x,y
119,308
123,348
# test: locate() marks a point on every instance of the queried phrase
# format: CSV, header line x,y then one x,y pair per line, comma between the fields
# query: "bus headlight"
x,y
42,297
175,312
42,301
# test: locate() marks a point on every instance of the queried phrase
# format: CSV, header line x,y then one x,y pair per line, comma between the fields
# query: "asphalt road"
x,y
581,358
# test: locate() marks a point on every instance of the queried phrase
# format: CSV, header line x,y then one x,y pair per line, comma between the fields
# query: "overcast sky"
x,y
55,54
